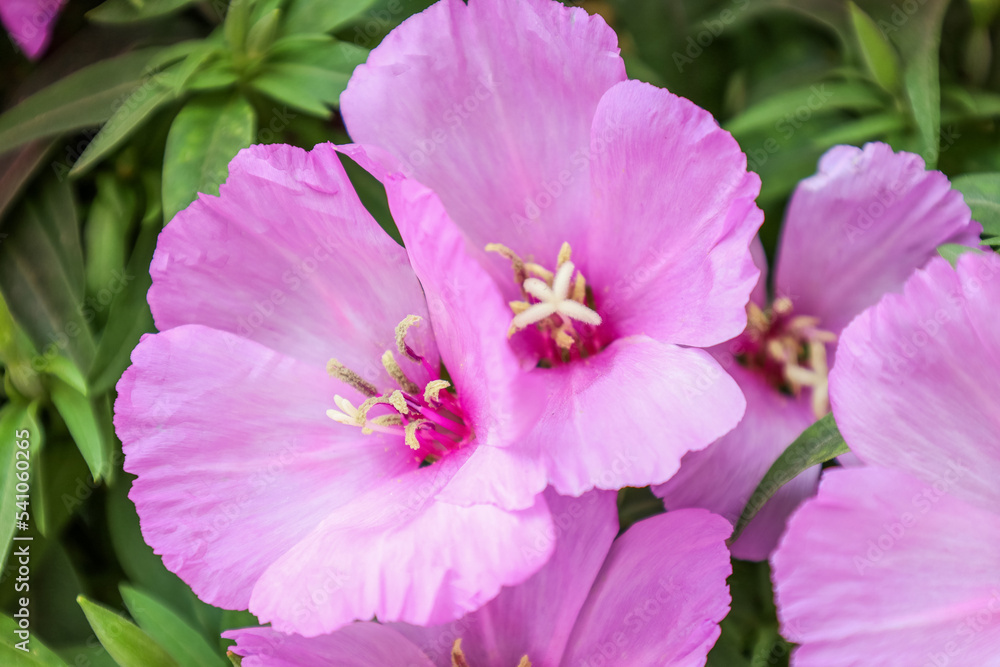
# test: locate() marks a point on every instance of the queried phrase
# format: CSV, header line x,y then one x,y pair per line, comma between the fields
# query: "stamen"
x,y
401,329
564,340
524,661
457,656
564,255
782,305
515,261
346,375
395,399
387,420
397,374
433,390
411,432
580,289
539,271
519,306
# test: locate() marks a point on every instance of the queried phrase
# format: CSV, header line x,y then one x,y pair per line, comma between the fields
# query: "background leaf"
x,y
126,643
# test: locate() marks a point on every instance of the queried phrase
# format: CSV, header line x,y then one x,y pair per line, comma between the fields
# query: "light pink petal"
x,y
490,105
235,456
660,596
30,23
287,256
881,569
722,478
759,294
356,645
626,416
859,227
674,215
398,554
932,357
535,618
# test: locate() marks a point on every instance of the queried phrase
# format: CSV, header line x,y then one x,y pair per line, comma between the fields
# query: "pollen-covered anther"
x,y
395,399
524,662
432,392
411,432
396,373
457,655
565,253
516,263
401,330
346,375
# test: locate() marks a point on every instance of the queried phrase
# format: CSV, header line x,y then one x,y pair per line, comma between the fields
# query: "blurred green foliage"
x,y
141,104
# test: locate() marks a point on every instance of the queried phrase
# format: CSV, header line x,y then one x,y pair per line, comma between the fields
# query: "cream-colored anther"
x,y
432,392
397,374
538,271
395,399
346,375
401,329
346,414
516,263
564,254
411,432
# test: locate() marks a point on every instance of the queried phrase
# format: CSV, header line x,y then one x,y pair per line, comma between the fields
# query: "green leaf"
x,y
37,655
236,24
67,371
819,443
982,194
127,11
262,33
15,418
41,272
952,251
152,94
878,53
309,76
108,226
204,137
126,643
861,130
83,99
184,643
89,422
17,169
306,16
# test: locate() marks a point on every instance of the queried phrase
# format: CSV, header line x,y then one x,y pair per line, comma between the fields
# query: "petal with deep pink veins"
x,y
932,357
882,569
287,256
668,615
723,476
398,554
235,456
859,227
537,617
668,249
490,105
356,645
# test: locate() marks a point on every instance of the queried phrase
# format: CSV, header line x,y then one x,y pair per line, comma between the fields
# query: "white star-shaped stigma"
x,y
554,300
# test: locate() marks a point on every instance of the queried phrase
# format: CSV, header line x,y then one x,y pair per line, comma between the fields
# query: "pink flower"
x,y
29,23
898,562
853,232
653,596
610,222
289,426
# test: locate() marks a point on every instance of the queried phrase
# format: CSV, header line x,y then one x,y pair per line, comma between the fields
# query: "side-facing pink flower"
x,y
29,23
898,562
654,596
289,427
625,212
853,232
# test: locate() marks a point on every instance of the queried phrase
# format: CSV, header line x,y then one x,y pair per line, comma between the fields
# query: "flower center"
x,y
458,658
556,303
789,351
429,419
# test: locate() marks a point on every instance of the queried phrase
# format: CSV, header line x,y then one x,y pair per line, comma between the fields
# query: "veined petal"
x,y
659,597
235,457
673,218
356,645
882,569
516,82
932,357
287,256
859,227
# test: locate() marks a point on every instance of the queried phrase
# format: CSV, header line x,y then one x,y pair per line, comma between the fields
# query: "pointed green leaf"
x,y
819,443
107,229
262,33
982,194
952,251
237,23
17,167
37,655
83,99
876,50
15,418
127,11
184,643
309,76
126,643
204,137
306,16
89,422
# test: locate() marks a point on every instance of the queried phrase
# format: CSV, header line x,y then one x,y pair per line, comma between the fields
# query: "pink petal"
x,y
355,645
723,477
626,416
881,569
398,554
287,256
660,596
235,457
535,618
30,23
490,105
674,215
859,227
932,357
